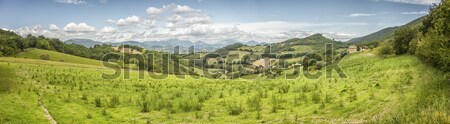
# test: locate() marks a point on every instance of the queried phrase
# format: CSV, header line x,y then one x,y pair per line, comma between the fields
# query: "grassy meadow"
x,y
378,90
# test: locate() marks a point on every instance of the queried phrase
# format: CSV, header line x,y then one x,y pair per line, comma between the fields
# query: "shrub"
x,y
276,103
384,49
98,102
145,107
114,101
234,108
254,103
45,57
315,97
84,97
89,116
189,104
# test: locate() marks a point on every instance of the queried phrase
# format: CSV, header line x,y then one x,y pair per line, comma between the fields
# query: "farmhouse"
x,y
363,48
352,49
126,50
265,63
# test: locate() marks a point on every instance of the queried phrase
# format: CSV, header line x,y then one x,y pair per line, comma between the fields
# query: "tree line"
x,y
430,41
12,44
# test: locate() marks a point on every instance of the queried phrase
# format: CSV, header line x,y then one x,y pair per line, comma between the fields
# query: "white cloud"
x,y
415,13
186,23
170,25
184,9
147,23
81,27
174,18
128,20
197,20
360,14
153,11
71,1
53,27
108,30
420,2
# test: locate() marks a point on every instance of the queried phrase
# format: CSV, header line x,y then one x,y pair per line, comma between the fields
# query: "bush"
x,y
315,97
234,108
254,103
114,101
276,103
98,102
384,49
433,49
45,57
84,97
189,104
145,107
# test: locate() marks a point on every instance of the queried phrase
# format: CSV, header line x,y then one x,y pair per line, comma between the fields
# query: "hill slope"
x,y
84,42
56,56
375,88
385,33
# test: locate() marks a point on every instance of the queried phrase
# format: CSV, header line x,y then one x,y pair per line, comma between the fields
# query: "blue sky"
x,y
206,20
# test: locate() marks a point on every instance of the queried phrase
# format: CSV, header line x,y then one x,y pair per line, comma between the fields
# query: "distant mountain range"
x,y
167,45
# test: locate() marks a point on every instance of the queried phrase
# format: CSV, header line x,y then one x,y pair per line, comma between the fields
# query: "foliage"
x,y
234,108
434,47
402,39
45,57
384,49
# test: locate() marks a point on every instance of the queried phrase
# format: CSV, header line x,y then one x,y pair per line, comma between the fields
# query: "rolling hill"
x,y
84,42
56,56
385,33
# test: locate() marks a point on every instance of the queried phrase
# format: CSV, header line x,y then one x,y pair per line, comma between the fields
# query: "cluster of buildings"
x,y
353,48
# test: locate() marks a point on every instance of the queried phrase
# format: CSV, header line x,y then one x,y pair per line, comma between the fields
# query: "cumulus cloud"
x,y
174,18
153,10
415,13
419,2
71,1
197,20
81,27
180,9
186,23
128,20
361,14
108,30
53,27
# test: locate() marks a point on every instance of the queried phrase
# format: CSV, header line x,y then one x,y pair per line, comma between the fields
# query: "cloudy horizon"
x,y
209,21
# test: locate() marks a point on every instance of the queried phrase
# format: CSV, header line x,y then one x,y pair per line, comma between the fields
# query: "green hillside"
x,y
311,44
56,56
377,90
385,33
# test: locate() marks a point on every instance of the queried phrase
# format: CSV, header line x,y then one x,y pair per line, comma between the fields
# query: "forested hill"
x,y
12,44
385,33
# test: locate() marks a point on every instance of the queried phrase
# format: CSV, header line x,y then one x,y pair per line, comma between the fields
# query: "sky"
x,y
211,21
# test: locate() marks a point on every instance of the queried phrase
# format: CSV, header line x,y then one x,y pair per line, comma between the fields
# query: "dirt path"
x,y
47,114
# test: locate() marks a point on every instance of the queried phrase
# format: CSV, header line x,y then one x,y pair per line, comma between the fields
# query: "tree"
x,y
402,39
433,48
43,44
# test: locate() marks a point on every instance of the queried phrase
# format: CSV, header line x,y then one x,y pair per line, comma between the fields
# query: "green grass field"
x,y
56,56
378,90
